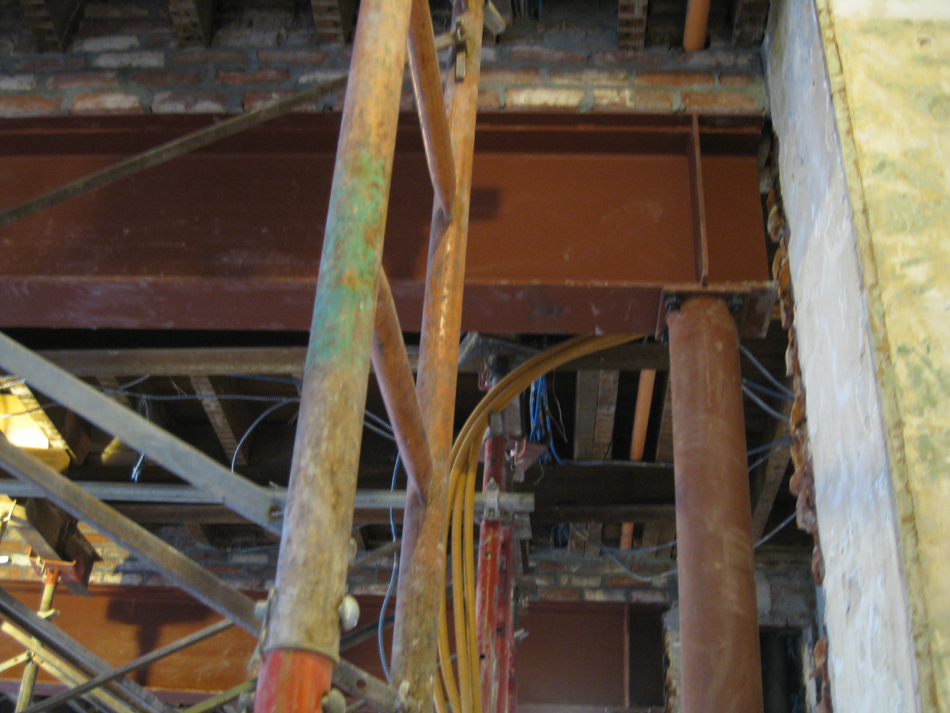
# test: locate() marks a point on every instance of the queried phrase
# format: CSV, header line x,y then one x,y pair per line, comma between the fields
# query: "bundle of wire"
x,y
462,694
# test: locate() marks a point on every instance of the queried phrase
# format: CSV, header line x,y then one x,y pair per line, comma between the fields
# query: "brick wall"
x,y
125,59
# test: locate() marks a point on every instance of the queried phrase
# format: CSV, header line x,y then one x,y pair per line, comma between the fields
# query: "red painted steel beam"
x,y
718,620
302,640
227,237
493,594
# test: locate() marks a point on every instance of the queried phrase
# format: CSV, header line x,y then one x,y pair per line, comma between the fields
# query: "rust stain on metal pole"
x,y
718,619
421,581
311,572
394,374
427,86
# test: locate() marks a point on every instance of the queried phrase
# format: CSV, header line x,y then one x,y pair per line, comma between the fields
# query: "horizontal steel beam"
x,y
191,577
634,185
124,363
139,663
185,494
251,501
75,653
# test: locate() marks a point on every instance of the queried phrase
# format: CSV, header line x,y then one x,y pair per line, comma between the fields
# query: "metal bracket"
x,y
492,507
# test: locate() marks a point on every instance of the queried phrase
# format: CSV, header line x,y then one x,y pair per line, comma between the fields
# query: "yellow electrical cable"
x,y
460,531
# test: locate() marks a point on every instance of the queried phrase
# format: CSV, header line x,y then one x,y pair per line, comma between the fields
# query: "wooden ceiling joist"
x,y
52,21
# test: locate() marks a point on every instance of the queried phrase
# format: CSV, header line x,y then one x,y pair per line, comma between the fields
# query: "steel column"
x,y
493,591
718,619
422,576
303,631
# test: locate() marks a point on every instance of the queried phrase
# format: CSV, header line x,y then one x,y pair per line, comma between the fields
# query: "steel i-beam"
x,y
718,620
302,641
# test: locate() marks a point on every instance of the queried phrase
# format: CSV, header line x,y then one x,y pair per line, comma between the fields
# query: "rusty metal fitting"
x,y
736,303
672,302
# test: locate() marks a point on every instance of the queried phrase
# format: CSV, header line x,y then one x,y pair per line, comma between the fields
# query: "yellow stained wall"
x,y
893,112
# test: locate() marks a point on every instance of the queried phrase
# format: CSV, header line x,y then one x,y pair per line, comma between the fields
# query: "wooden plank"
x,y
651,535
641,419
664,444
224,418
595,531
39,415
194,21
772,473
52,21
585,409
595,409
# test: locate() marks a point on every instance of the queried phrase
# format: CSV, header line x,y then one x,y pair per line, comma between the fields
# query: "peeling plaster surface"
x,y
897,73
871,654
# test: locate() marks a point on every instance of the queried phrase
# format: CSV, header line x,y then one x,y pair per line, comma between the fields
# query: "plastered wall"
x,y
860,96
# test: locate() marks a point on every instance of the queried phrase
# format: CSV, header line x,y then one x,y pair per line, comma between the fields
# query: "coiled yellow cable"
x,y
465,696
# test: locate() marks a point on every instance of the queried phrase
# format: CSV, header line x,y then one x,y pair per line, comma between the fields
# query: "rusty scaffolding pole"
x,y
301,643
302,639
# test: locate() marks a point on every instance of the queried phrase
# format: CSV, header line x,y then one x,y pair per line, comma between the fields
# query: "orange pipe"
x,y
697,20
292,681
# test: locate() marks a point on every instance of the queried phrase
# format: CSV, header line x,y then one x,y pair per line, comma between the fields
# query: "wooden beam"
x,y
224,418
39,415
771,474
641,419
52,21
664,444
631,24
595,409
334,20
194,21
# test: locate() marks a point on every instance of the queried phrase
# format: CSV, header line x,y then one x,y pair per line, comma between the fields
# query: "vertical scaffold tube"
x,y
718,618
421,577
303,631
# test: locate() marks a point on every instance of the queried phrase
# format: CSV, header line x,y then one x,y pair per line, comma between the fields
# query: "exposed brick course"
x,y
17,82
255,100
737,80
28,105
107,103
50,63
210,57
543,98
166,78
725,102
546,55
115,60
263,76
590,77
673,79
190,103
313,57
646,100
488,99
510,75
82,79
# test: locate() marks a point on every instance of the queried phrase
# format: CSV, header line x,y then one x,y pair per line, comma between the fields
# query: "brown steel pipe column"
x,y
718,618
302,638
